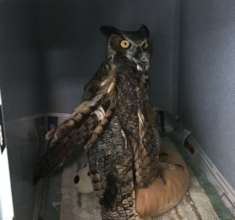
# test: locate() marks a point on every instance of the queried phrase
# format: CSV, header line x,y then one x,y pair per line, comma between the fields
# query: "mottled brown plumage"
x,y
115,126
81,130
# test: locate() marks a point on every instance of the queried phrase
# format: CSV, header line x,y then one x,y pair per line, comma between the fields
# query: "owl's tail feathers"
x,y
162,196
53,161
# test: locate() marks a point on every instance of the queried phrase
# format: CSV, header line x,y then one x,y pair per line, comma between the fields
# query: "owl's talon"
x,y
162,178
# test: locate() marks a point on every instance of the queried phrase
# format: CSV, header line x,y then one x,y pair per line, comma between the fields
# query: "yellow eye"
x,y
124,44
145,45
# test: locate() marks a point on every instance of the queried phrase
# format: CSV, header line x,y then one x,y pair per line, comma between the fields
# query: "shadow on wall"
x,y
207,80
49,49
72,47
19,59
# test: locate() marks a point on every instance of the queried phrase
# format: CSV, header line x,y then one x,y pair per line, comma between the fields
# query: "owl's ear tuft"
x,y
144,30
108,30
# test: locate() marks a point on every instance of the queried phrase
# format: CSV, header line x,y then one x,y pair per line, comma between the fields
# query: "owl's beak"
x,y
141,64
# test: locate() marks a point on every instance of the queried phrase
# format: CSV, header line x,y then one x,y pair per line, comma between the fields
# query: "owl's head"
x,y
133,45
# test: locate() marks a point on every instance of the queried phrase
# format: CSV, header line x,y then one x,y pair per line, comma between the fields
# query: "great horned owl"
x,y
115,126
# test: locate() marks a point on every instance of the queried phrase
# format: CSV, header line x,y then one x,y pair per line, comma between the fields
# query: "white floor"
x,y
76,206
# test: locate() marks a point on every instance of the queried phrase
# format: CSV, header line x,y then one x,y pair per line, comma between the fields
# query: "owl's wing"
x,y
93,85
81,130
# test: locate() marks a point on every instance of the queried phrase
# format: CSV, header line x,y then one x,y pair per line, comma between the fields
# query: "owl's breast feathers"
x,y
120,91
115,90
138,122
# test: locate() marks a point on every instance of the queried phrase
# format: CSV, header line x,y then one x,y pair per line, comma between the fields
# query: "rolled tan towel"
x,y
164,193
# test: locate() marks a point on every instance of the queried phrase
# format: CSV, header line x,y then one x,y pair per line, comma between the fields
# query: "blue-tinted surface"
x,y
20,82
73,47
49,49
20,63
207,78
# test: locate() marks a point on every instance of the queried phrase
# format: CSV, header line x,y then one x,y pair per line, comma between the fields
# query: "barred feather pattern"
x,y
140,129
114,126
111,171
125,158
82,129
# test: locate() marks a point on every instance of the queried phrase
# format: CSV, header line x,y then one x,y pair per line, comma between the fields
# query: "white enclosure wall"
x,y
50,48
73,47
20,85
207,78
